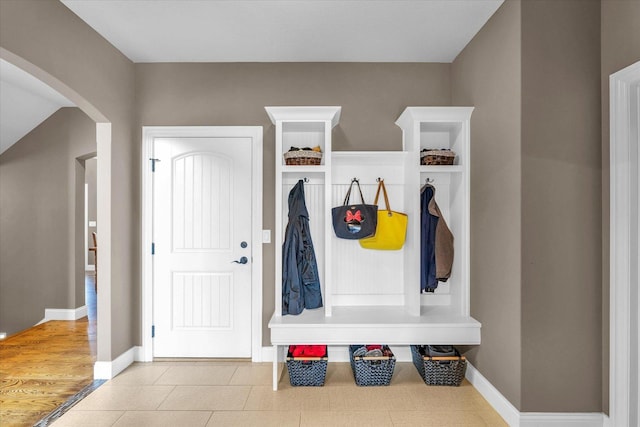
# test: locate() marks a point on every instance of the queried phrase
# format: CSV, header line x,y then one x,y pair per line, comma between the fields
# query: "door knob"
x,y
242,260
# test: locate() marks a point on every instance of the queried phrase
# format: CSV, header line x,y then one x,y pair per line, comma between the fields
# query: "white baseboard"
x,y
63,314
108,370
536,419
138,356
515,418
500,403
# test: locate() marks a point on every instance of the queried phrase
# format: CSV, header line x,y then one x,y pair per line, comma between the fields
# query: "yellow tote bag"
x,y
391,229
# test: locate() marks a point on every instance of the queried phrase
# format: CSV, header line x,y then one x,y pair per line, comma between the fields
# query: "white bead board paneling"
x,y
359,271
354,280
364,276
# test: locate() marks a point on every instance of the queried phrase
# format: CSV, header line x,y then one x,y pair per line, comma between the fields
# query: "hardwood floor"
x,y
41,367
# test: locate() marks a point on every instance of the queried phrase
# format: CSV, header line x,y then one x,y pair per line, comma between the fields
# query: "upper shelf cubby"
x,y
435,128
440,135
304,129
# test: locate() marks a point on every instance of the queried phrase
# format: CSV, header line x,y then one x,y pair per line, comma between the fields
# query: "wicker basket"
x,y
372,371
307,371
303,157
437,157
443,370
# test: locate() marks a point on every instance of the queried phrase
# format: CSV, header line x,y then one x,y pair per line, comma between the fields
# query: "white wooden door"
x,y
201,225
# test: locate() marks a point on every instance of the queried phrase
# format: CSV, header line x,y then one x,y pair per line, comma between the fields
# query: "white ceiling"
x,y
287,30
253,31
25,102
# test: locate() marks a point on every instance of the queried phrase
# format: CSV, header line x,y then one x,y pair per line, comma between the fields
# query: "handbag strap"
x,y
348,196
384,192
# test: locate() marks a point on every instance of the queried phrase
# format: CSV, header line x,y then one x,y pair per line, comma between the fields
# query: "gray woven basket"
x,y
307,372
446,370
369,371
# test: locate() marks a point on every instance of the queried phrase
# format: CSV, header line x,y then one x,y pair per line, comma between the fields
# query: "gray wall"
x,y
70,56
38,198
620,47
533,75
561,206
487,75
372,97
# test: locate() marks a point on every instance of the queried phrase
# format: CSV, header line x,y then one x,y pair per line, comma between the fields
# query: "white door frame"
x,y
624,87
148,135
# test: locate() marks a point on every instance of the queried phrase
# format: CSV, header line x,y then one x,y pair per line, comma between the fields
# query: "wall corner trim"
x,y
515,418
624,166
108,370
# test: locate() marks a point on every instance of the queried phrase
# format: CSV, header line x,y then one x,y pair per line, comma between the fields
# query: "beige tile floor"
x,y
238,393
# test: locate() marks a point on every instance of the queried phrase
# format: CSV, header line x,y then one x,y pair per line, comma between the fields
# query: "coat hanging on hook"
x,y
436,242
300,279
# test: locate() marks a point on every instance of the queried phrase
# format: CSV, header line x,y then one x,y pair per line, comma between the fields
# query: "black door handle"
x,y
242,260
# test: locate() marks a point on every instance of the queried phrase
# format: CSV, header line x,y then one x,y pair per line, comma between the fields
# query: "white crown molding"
x,y
311,113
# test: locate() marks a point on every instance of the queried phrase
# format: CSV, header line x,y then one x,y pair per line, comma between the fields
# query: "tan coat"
x,y
444,243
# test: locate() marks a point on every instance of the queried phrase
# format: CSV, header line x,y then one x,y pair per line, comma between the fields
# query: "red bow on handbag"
x,y
353,216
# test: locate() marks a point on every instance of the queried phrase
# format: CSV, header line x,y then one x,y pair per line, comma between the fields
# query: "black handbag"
x,y
354,221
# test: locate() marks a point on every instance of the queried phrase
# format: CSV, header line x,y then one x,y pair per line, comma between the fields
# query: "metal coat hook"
x,y
429,180
379,179
355,180
306,179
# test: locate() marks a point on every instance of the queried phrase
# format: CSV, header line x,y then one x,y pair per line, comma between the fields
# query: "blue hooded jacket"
x,y
300,280
428,224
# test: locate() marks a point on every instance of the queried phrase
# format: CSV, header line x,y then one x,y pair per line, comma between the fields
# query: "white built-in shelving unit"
x,y
374,296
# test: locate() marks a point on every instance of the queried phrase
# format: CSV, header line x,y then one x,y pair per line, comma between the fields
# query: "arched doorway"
x,y
103,188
